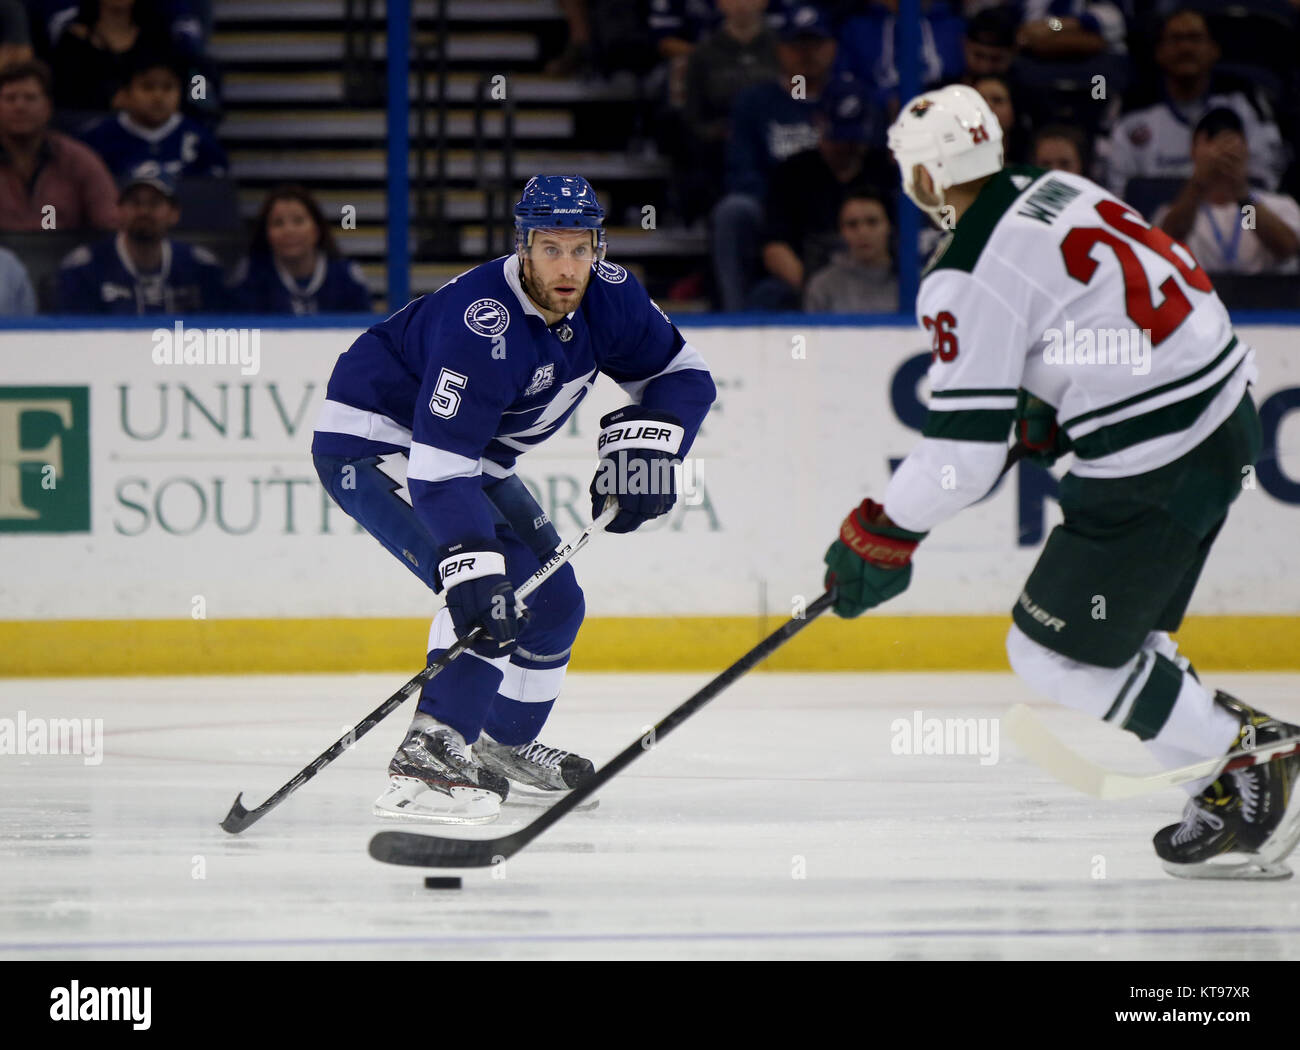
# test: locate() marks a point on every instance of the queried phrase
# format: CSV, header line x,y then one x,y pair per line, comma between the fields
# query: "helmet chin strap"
x,y
934,211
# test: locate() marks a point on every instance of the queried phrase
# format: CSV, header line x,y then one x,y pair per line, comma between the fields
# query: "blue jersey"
x,y
869,42
180,147
469,378
100,279
767,125
335,286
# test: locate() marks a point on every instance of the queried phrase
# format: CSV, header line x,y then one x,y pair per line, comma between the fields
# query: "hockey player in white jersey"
x,y
1053,300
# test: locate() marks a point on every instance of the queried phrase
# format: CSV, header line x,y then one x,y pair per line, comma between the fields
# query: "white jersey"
x,y
1221,244
1052,284
1156,142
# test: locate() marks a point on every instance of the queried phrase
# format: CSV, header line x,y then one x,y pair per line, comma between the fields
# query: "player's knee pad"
x,y
442,636
1084,687
555,612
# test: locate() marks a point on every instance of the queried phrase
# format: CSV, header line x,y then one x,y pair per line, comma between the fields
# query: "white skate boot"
x,y
434,777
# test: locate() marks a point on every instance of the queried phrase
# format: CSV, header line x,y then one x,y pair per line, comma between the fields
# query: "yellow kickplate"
x,y
870,643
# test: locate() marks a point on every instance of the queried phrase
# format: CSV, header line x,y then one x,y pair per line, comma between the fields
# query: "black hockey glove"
x,y
638,450
478,592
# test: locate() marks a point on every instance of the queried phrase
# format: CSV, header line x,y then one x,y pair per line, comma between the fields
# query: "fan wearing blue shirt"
x,y
294,266
140,270
425,418
150,135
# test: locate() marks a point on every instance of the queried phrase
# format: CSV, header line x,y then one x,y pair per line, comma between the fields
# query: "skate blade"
x,y
407,817
410,801
1253,869
536,798
1284,840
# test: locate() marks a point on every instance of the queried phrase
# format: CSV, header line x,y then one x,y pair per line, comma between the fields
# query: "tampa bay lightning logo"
x,y
487,317
611,272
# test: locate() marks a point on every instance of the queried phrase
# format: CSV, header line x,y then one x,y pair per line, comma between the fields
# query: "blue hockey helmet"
x,y
559,202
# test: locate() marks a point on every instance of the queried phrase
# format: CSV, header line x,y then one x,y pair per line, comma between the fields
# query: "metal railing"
x,y
498,188
437,237
363,83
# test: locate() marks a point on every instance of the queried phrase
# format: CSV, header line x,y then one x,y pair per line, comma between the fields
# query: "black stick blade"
x,y
237,819
430,851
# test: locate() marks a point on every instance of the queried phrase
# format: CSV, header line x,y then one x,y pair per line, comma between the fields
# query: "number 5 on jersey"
x,y
446,397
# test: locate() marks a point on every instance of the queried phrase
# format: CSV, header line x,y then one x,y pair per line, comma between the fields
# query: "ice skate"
x,y
537,773
1246,823
434,777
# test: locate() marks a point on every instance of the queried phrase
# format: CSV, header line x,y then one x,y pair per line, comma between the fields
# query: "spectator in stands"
x,y
15,34
140,270
1064,30
150,134
1229,227
769,122
858,280
739,55
1060,147
17,297
188,22
1155,142
98,48
605,36
869,41
997,93
294,266
676,25
576,56
48,181
989,46
805,193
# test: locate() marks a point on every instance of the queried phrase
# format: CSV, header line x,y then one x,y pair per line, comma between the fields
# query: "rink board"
x,y
166,517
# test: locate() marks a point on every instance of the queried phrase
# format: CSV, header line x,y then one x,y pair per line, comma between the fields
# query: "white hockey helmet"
x,y
952,133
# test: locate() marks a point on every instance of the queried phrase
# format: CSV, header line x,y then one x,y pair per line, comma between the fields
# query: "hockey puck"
x,y
442,882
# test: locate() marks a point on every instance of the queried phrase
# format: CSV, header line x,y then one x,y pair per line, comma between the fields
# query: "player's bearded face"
x,y
557,267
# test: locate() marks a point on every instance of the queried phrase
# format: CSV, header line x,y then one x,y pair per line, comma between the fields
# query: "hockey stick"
x,y
1047,750
239,818
432,851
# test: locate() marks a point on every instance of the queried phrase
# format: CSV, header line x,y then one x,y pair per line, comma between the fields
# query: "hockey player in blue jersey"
x,y
424,419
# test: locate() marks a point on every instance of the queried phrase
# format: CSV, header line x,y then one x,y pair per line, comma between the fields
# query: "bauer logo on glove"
x,y
638,449
871,562
479,594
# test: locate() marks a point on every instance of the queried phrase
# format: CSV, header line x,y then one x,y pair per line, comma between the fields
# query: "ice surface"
x,y
694,851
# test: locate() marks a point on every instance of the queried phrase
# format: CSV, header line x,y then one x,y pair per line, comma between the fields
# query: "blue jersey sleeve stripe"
x,y
436,464
496,470
338,418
